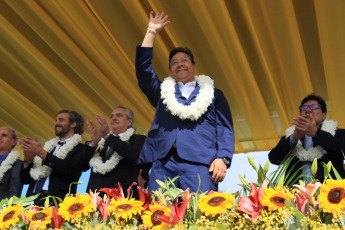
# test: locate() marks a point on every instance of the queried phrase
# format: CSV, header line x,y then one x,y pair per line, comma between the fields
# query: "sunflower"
x,y
39,219
215,203
125,208
150,217
332,196
275,198
10,216
74,208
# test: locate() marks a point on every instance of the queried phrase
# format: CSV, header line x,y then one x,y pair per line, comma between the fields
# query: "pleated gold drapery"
x,y
265,55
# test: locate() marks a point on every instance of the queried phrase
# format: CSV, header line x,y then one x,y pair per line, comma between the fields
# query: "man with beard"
x,y
10,181
312,136
117,152
50,170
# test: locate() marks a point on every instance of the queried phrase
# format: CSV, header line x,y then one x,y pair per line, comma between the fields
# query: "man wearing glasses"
x,y
311,137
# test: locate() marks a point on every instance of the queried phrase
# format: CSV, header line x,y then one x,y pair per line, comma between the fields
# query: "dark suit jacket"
x,y
125,172
332,144
200,141
65,171
11,184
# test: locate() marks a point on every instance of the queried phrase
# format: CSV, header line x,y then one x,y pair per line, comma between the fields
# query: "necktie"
x,y
40,183
308,142
109,151
61,143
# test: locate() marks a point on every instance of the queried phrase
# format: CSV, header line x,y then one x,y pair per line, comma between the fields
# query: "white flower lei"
x,y
96,163
197,108
313,152
8,162
38,170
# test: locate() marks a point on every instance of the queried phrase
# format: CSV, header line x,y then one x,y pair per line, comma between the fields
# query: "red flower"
x,y
176,214
57,220
117,193
145,197
252,204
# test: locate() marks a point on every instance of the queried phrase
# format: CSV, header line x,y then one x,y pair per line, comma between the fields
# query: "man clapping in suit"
x,y
49,170
117,152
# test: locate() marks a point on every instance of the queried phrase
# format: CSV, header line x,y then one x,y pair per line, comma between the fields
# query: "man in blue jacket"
x,y
192,132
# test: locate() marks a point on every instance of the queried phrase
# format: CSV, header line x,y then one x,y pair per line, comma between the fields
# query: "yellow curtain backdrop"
x,y
265,55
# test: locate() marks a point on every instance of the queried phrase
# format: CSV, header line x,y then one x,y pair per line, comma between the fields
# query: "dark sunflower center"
x,y
75,207
125,207
154,217
216,201
335,195
39,216
277,200
8,216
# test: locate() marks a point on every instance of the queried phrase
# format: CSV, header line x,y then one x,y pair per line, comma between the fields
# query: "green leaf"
x,y
161,184
314,167
298,215
243,180
281,180
261,175
220,226
252,163
328,219
266,167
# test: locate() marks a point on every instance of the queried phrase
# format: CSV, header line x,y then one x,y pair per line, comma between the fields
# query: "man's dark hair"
x,y
319,100
77,118
183,50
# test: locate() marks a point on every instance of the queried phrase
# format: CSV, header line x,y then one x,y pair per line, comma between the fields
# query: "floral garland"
x,y
39,171
314,152
197,108
8,162
96,163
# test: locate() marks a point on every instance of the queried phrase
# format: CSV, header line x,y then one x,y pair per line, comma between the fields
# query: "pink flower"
x,y
309,191
301,204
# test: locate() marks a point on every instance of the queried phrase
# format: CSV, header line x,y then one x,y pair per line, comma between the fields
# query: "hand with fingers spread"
x,y
158,22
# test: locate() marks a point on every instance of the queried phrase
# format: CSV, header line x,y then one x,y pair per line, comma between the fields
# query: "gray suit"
x,y
11,184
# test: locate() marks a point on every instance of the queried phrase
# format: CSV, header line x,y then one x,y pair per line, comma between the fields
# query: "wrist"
x,y
40,152
28,161
226,161
151,31
106,136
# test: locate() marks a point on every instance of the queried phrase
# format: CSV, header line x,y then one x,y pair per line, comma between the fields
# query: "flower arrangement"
x,y
266,204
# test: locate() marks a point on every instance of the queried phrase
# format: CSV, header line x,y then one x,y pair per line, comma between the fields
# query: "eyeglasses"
x,y
176,61
312,107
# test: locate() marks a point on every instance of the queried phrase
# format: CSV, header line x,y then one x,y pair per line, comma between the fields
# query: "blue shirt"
x,y
3,156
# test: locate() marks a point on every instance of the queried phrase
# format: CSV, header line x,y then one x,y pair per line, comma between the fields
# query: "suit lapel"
x,y
178,95
193,95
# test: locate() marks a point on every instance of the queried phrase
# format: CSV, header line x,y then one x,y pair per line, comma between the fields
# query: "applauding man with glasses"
x,y
311,137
